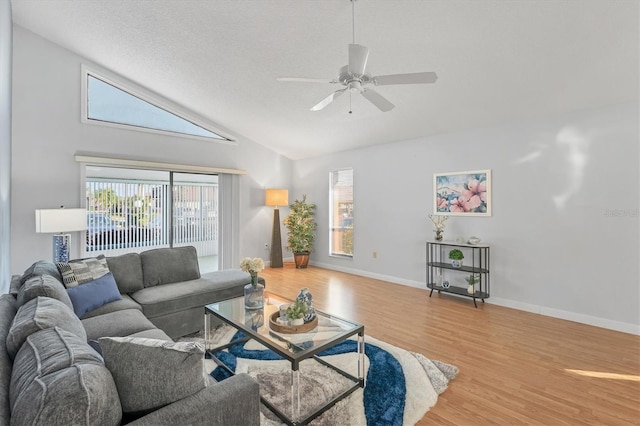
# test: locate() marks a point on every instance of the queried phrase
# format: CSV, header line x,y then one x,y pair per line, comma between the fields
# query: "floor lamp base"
x,y
276,242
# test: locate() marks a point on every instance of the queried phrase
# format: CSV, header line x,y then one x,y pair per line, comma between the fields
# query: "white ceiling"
x,y
498,61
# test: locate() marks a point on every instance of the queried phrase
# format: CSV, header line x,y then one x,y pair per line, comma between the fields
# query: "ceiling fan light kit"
x,y
356,80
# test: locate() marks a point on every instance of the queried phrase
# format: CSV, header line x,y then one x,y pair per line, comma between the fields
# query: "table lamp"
x,y
276,197
60,222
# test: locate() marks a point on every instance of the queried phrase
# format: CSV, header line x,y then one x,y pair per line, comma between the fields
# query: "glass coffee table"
x,y
295,348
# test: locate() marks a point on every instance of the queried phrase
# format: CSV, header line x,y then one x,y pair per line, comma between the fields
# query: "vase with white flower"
x,y
439,222
254,291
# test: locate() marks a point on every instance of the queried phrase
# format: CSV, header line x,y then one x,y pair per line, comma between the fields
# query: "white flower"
x,y
438,221
252,266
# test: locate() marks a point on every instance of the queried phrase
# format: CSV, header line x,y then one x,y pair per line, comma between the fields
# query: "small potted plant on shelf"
x,y
472,280
456,257
296,311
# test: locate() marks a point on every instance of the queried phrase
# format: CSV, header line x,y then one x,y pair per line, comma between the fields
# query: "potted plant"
x,y
456,257
301,226
472,280
296,311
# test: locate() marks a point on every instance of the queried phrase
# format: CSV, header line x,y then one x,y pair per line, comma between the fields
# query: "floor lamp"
x,y
60,222
276,197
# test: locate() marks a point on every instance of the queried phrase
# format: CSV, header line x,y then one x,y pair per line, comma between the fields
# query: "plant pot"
x,y
301,259
456,263
297,321
471,289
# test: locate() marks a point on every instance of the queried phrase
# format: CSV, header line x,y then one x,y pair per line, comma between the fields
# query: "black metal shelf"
x,y
463,268
457,290
477,262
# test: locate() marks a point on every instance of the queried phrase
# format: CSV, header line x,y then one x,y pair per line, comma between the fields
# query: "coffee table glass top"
x,y
255,323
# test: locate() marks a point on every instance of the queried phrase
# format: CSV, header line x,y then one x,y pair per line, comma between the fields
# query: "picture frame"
x,y
465,193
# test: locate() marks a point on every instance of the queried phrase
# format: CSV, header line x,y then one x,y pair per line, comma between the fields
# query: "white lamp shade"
x,y
60,220
276,197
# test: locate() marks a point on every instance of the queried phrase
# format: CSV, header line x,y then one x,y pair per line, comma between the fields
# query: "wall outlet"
x,y
266,246
374,254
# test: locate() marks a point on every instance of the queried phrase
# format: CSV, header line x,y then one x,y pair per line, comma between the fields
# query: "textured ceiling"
x,y
497,61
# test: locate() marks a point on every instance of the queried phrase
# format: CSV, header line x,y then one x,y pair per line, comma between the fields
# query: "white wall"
x,y
47,132
6,45
565,208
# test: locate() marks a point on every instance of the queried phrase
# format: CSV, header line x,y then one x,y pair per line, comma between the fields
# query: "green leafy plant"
x,y
472,279
301,226
456,254
297,310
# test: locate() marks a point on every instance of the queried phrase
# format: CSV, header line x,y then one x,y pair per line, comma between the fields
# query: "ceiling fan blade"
x,y
358,56
378,100
306,80
413,78
326,101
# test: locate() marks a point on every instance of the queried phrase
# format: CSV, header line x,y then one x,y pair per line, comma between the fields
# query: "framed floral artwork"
x,y
462,193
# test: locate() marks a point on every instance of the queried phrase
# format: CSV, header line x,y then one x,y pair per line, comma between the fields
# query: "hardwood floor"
x,y
515,367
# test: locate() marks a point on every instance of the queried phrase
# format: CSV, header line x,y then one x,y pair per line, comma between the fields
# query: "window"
x,y
341,214
107,102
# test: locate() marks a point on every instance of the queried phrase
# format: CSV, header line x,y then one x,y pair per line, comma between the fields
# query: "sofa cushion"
x,y
46,352
14,286
42,267
151,373
80,271
8,309
83,394
212,287
127,271
125,302
39,314
43,285
169,265
116,324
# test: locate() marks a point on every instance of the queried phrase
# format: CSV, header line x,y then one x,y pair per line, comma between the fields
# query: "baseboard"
x,y
389,278
508,303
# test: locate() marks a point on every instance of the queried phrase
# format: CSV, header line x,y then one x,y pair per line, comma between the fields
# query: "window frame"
x,y
150,98
332,226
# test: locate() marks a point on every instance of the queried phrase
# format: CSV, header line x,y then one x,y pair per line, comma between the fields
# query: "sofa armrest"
x,y
234,401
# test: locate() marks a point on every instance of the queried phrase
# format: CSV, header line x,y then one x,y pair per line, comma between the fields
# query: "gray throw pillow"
x,y
39,314
43,285
150,373
81,271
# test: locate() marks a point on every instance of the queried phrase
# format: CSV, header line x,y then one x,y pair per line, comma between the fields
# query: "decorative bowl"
x,y
474,240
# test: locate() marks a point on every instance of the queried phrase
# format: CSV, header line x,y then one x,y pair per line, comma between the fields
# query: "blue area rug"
x,y
401,386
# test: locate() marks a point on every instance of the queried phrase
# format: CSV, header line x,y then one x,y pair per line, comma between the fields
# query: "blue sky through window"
x,y
111,104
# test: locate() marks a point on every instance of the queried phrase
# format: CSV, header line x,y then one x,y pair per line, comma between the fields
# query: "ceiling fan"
x,y
356,79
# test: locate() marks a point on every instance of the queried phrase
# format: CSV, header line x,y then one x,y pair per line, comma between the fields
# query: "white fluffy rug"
x,y
401,385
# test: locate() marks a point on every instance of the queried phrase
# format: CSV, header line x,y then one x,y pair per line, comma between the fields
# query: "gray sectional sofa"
x,y
52,371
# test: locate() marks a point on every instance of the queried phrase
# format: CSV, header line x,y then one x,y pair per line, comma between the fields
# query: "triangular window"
x,y
110,104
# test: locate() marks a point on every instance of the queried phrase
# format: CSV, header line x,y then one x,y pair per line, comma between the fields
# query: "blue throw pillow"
x,y
89,296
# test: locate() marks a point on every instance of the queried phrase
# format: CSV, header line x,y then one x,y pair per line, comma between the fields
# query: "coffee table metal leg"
x,y
295,394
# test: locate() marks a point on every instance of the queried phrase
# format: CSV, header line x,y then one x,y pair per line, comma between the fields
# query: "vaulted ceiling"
x,y
498,61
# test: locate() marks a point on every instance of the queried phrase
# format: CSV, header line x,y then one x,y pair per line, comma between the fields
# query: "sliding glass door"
x,y
132,210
